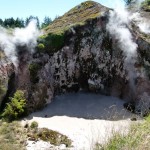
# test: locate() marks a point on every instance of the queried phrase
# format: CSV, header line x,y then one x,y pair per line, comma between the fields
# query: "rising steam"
x,y
10,39
142,23
118,28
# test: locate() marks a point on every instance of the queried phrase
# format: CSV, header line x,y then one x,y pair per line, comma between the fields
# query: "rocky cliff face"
x,y
7,75
83,56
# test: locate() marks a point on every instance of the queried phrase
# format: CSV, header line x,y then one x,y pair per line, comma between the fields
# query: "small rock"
x,y
133,119
129,106
26,125
31,139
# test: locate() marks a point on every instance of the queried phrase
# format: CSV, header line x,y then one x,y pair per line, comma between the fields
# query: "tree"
x,y
12,23
16,107
1,22
9,23
46,22
19,23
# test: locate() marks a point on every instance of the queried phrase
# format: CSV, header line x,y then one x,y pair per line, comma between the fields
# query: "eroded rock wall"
x,y
89,60
7,72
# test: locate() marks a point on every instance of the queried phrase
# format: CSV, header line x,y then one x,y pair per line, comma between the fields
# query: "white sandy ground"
x,y
84,117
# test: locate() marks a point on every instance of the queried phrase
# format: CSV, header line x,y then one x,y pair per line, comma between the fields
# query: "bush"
x,y
34,124
146,5
40,47
16,107
53,137
52,42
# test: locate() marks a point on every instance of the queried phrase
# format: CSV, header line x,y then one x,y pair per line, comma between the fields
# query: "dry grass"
x,y
76,16
137,139
12,136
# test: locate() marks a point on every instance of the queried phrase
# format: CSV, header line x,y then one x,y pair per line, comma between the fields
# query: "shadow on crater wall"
x,y
87,106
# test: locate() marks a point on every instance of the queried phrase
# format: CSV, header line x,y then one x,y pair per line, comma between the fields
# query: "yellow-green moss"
x,y
51,136
52,42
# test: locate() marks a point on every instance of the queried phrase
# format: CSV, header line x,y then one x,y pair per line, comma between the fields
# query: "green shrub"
x,y
16,107
40,47
34,68
52,42
146,5
53,137
34,124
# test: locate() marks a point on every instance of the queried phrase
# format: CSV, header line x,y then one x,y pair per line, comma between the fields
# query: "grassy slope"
x,y
12,136
76,16
137,139
54,34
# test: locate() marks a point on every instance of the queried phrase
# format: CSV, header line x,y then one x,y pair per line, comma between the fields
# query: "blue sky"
x,y
40,8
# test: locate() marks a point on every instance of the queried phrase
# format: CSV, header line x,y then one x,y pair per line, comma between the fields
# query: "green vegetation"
x,y
34,68
41,47
20,23
53,39
76,16
16,107
12,136
137,139
51,136
2,90
46,22
34,124
146,5
51,43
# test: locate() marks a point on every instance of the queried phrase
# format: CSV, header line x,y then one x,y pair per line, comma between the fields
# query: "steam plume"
x,y
142,23
9,40
118,28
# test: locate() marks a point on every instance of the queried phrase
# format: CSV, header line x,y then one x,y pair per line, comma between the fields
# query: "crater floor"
x,y
85,118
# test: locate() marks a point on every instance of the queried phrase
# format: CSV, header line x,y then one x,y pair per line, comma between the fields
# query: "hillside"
x,y
76,16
